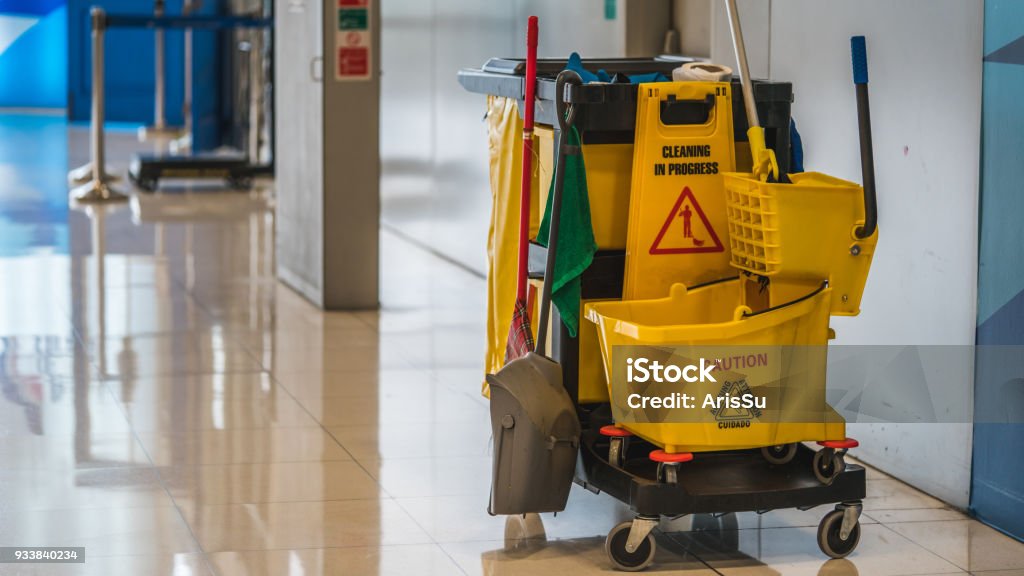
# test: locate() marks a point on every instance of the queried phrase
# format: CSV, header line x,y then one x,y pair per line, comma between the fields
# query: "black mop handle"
x,y
867,159
566,117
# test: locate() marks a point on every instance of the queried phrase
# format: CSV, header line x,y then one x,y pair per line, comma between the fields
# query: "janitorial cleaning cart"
x,y
676,220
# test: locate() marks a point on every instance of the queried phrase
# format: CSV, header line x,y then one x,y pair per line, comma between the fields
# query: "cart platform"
x,y
714,482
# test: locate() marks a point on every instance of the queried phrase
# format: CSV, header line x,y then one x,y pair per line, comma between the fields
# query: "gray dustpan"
x,y
533,419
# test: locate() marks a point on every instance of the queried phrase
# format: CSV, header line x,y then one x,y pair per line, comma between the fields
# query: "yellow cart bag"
x,y
778,353
678,231
505,147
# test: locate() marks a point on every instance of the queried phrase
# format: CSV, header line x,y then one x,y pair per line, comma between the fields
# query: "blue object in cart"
x,y
796,149
575,64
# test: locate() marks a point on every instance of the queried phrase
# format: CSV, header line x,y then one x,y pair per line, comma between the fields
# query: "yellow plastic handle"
x,y
765,164
687,92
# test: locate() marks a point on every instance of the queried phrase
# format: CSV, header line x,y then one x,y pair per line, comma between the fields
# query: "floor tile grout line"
x,y
181,514
396,501
450,557
436,379
429,535
358,463
367,472
888,523
163,483
915,543
671,536
174,281
964,520
212,317
924,549
943,503
942,521
398,234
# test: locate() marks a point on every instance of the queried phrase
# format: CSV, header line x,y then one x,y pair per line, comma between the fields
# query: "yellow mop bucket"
x,y
778,353
800,233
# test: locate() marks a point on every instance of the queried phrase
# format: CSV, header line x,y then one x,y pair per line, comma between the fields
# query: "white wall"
x,y
754,18
925,71
692,19
571,25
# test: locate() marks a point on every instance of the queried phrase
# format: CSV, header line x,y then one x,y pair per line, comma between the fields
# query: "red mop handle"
x,y
530,88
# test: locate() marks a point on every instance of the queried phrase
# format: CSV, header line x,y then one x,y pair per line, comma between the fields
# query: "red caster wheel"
x,y
668,464
829,462
618,443
843,445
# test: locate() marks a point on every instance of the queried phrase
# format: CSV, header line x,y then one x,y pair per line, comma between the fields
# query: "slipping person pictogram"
x,y
687,215
695,231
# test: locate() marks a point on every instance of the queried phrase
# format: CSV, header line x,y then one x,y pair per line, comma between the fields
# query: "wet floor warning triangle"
x,y
686,229
730,413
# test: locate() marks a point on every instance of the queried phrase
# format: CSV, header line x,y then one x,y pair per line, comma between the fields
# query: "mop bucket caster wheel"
x,y
843,445
617,444
668,464
830,535
616,547
779,455
828,464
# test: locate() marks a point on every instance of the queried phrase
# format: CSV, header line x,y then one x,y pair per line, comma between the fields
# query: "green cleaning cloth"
x,y
576,244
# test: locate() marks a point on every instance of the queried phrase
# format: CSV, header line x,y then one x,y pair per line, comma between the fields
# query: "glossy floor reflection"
x,y
168,405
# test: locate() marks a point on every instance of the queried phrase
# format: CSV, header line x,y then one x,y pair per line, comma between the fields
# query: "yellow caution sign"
x,y
678,228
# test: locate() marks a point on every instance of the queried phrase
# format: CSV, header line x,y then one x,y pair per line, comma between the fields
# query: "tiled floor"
x,y
173,409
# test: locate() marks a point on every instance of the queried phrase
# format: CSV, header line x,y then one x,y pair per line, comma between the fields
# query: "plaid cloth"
x,y
520,336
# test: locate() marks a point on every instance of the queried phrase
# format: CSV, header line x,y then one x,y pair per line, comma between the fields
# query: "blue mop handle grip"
x,y
859,53
867,156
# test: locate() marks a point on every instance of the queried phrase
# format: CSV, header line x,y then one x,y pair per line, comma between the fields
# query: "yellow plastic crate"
x,y
801,233
715,316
